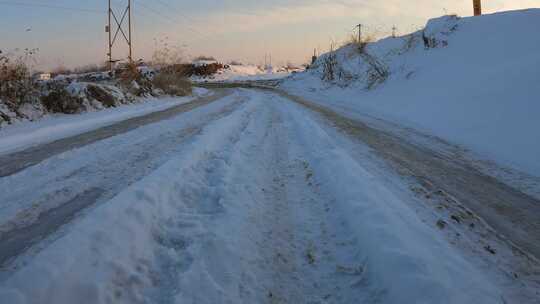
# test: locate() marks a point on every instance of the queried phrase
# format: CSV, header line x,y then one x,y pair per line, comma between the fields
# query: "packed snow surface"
x,y
251,210
478,85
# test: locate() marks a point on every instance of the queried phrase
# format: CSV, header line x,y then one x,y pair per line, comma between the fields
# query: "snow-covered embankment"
x,y
475,84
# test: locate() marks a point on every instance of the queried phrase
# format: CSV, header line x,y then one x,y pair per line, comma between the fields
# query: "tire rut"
x,y
515,216
18,161
17,238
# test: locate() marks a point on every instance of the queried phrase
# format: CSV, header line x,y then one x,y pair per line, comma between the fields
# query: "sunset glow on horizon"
x,y
228,30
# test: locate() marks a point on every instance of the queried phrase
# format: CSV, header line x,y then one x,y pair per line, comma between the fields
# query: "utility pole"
x,y
394,31
129,26
359,26
477,6
108,30
119,29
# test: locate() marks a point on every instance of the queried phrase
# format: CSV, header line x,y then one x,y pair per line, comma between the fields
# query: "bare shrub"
x,y
333,70
205,69
360,44
166,54
59,100
435,40
172,73
101,95
377,72
4,118
136,82
410,42
204,58
128,73
16,84
329,64
61,70
92,68
429,42
172,82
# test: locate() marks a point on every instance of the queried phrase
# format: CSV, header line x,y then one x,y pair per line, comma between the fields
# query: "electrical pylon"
x,y
119,29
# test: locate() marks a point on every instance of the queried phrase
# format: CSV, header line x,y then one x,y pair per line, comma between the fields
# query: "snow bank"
x,y
6,114
52,127
476,86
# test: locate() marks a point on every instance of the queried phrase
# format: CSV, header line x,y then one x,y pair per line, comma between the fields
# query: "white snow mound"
x,y
477,84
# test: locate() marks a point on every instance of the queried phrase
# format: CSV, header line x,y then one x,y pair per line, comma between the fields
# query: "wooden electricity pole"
x,y
129,26
119,29
477,5
359,26
108,30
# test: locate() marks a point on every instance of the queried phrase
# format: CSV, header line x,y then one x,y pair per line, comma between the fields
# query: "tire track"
x,y
96,182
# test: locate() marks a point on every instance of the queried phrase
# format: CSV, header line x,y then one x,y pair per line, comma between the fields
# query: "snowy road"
x,y
43,198
252,198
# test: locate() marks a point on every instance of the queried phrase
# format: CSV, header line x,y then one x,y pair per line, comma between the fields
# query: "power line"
x,y
155,11
163,3
51,6
172,21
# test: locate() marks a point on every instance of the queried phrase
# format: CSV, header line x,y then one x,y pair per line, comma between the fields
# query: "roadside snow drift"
x,y
473,81
55,126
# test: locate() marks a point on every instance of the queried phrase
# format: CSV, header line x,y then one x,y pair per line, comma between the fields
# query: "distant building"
x,y
44,76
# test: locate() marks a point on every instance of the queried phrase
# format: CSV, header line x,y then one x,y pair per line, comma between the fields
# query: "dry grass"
x,y
377,73
360,44
101,95
329,64
131,78
172,73
410,42
60,101
129,74
166,54
204,58
61,70
16,84
172,83
92,68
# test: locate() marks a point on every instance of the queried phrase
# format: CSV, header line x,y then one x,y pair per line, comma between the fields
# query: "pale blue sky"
x,y
228,29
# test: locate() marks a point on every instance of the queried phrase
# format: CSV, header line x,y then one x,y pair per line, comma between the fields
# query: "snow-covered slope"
x,y
477,84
